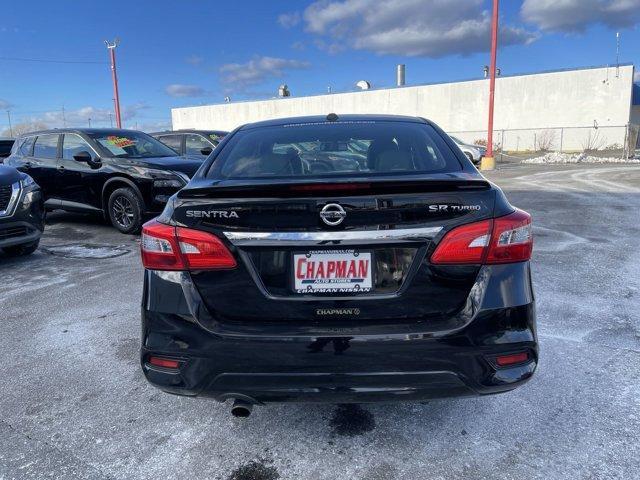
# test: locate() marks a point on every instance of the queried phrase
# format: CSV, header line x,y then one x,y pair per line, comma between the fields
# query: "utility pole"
x,y
114,76
489,162
617,54
10,127
64,118
89,122
111,119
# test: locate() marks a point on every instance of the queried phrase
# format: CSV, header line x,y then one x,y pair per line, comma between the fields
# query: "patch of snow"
x,y
564,158
85,251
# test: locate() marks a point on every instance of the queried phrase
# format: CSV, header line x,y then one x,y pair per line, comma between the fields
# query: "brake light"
x,y
464,244
159,247
203,251
507,239
164,247
330,187
512,239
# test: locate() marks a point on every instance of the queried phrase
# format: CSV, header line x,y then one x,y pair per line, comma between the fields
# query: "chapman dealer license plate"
x,y
340,271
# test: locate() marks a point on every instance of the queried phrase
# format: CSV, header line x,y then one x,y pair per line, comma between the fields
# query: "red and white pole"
x,y
114,77
488,162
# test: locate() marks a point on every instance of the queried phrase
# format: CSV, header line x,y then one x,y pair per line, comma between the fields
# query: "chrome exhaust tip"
x,y
241,409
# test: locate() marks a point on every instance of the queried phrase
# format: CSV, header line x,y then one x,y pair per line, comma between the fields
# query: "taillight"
x,y
203,251
506,239
164,247
512,239
464,244
159,247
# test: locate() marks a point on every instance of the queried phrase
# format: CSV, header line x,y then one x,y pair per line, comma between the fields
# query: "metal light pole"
x,y
10,127
489,162
114,75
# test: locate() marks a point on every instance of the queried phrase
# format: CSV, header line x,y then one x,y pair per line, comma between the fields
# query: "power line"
x,y
43,60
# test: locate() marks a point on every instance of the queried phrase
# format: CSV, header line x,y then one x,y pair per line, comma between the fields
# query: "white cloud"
x,y
577,15
332,48
289,20
99,117
427,28
237,77
300,46
180,90
194,60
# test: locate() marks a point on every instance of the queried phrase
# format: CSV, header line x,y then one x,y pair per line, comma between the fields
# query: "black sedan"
x,y
21,212
279,276
124,175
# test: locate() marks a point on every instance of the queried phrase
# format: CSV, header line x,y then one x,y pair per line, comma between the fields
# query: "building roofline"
x,y
428,84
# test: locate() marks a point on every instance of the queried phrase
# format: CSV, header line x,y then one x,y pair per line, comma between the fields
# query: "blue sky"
x,y
191,52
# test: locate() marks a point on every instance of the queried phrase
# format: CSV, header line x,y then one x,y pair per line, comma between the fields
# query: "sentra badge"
x,y
211,214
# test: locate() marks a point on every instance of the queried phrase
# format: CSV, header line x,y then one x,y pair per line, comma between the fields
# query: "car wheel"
x,y
125,210
22,250
470,157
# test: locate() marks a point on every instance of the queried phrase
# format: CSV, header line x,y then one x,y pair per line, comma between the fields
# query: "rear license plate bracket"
x,y
332,271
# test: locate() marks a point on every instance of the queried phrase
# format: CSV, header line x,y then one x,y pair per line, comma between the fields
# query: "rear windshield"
x,y
335,149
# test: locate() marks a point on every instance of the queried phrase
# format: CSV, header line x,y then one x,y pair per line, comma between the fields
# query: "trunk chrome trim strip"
x,y
266,239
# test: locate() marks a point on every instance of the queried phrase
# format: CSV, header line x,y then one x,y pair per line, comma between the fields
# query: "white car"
x,y
473,152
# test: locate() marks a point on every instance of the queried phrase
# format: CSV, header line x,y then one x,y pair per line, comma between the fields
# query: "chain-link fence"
x,y
608,141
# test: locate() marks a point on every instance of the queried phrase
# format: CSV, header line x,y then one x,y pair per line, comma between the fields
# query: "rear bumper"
x,y
401,364
334,369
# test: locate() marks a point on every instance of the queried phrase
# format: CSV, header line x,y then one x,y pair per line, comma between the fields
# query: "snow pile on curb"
x,y
556,157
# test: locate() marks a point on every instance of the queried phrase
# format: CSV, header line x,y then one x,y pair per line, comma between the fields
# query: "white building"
x,y
587,108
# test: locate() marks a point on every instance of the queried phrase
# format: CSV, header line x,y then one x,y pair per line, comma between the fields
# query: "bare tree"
x,y
25,127
481,142
545,141
593,142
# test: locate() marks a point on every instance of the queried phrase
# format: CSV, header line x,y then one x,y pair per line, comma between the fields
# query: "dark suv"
x,y
5,147
391,270
21,212
191,143
122,174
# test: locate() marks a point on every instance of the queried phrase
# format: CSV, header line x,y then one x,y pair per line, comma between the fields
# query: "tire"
x,y
22,250
125,210
470,157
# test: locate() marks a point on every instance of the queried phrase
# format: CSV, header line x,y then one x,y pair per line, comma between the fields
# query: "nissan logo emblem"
x,y
332,214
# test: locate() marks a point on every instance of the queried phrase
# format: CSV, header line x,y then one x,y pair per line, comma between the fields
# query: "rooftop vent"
x,y
283,91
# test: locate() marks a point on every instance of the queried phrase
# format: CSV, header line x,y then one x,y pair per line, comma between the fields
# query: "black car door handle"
x,y
61,168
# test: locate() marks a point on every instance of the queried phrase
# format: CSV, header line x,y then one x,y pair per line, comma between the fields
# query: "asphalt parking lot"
x,y
74,403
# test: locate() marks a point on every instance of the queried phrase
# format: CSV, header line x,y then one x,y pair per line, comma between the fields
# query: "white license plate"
x,y
332,271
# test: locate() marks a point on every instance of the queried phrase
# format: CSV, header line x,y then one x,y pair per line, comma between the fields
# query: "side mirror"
x,y
84,157
206,151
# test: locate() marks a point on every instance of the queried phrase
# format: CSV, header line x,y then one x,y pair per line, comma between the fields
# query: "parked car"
x,y
21,212
198,143
5,147
473,152
404,278
122,174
